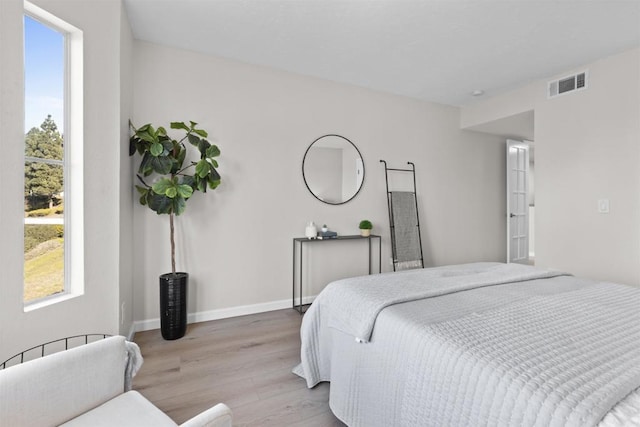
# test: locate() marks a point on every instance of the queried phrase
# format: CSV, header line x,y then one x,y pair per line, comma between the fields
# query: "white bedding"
x,y
553,351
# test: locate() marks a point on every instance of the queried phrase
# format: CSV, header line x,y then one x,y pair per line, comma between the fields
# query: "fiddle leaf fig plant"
x,y
168,179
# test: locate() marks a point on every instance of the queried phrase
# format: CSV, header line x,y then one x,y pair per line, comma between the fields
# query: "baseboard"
x,y
222,313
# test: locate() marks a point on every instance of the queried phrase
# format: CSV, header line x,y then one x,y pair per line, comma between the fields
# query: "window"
x,y
53,220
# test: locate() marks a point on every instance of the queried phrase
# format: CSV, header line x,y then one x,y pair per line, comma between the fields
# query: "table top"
x,y
347,237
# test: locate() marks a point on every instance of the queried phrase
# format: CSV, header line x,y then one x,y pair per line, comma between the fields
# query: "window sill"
x,y
54,299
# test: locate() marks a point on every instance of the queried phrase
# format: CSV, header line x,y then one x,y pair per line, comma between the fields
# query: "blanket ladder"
x,y
404,223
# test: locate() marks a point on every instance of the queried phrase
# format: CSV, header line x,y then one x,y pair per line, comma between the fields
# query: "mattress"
x,y
522,346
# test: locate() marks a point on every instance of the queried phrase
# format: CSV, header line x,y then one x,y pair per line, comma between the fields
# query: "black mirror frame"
x,y
363,169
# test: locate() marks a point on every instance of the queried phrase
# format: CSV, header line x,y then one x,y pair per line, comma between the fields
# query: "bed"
x,y
483,344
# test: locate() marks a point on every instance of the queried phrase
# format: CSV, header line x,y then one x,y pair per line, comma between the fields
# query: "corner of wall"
x,y
126,196
501,106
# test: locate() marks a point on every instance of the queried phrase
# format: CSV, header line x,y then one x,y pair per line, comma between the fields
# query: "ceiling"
x,y
438,51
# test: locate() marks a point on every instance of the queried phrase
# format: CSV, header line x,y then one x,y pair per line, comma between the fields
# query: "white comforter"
x,y
521,347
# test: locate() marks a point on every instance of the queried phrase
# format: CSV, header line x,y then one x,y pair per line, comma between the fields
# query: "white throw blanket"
x,y
133,365
356,302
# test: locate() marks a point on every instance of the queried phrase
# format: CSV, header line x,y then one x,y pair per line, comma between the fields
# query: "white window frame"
x,y
73,185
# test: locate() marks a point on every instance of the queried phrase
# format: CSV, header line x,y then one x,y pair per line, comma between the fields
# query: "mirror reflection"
x,y
333,169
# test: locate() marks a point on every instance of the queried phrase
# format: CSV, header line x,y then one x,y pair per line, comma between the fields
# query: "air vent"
x,y
568,84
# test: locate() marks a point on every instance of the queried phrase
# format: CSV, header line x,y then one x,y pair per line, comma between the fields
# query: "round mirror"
x,y
333,169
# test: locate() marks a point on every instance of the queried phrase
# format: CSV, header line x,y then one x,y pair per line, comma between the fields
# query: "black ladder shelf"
x,y
404,223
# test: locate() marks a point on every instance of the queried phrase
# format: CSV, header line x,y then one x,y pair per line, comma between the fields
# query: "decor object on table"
x,y
333,169
311,232
324,228
327,234
174,182
88,384
365,227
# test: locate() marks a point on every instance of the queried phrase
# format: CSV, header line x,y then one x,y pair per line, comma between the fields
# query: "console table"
x,y
299,242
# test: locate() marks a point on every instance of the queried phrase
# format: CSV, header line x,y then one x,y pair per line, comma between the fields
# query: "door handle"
x,y
511,215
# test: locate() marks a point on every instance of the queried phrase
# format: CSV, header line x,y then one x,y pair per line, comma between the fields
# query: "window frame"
x,y
73,158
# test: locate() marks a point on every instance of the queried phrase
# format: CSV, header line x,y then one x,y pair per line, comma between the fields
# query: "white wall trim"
x,y
222,313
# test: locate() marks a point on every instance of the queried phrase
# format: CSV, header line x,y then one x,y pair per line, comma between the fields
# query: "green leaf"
x,y
193,139
203,133
181,156
184,191
141,145
144,194
132,145
156,149
161,165
203,146
189,180
147,135
161,131
214,183
193,124
179,205
141,189
145,164
167,144
202,185
215,175
175,166
179,125
162,185
214,162
171,192
202,168
160,204
213,151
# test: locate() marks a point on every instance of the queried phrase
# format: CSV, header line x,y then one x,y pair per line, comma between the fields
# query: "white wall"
x,y
126,178
586,149
236,242
97,309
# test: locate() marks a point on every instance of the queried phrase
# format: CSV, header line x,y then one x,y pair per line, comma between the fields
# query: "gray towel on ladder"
x,y
407,237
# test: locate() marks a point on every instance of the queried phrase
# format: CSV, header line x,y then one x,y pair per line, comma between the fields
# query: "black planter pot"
x,y
173,305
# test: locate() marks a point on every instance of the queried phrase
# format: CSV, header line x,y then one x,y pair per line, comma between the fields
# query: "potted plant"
x,y
365,228
168,180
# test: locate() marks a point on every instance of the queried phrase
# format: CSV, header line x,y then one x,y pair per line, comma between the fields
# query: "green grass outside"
x,y
44,270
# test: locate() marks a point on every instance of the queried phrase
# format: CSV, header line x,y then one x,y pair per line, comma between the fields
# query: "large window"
x,y
53,221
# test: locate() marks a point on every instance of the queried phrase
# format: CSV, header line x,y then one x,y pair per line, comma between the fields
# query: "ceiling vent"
x,y
568,84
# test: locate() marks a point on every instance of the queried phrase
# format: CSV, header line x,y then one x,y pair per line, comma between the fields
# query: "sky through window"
x,y
44,74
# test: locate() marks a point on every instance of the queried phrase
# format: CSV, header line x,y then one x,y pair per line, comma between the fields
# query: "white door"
x,y
517,201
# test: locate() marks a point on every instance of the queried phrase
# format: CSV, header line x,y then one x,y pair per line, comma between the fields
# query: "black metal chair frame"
x,y
42,347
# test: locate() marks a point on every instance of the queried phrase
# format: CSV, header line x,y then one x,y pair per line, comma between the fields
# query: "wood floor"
x,y
244,362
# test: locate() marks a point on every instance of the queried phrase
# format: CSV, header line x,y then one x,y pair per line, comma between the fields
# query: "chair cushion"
x,y
128,409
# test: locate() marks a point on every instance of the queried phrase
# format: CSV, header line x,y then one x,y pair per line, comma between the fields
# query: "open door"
x,y
517,201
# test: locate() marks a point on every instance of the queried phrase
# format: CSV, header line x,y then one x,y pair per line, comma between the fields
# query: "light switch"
x,y
603,206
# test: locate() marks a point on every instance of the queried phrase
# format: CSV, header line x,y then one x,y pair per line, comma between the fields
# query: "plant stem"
x,y
185,137
185,168
173,245
142,181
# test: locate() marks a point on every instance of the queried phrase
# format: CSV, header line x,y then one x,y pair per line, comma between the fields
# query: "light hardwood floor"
x,y
244,362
